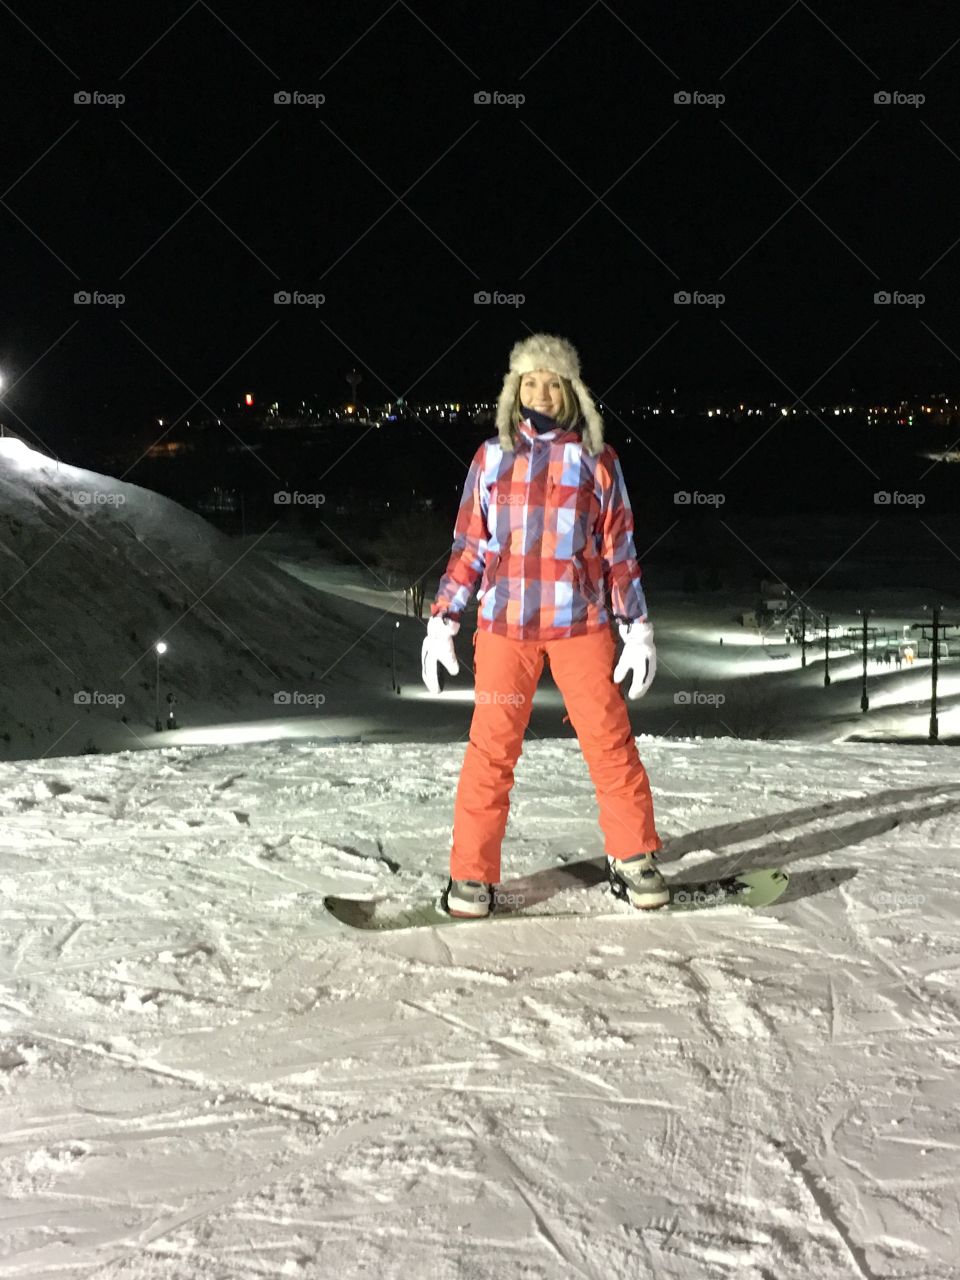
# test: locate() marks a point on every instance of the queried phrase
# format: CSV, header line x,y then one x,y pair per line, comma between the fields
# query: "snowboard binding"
x,y
444,905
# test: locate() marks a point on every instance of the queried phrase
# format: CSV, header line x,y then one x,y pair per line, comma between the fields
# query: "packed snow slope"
x,y
206,1076
93,571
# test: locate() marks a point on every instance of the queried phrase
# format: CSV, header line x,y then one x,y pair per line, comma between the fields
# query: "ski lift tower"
x,y
936,633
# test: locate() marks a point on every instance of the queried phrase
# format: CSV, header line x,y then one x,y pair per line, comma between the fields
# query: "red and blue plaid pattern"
x,y
550,531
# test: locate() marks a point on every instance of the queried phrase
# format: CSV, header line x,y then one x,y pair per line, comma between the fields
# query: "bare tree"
x,y
412,549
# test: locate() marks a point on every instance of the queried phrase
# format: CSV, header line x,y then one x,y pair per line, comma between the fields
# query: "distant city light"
x,y
312,413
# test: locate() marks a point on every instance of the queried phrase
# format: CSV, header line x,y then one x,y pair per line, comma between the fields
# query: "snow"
x,y
94,571
204,1075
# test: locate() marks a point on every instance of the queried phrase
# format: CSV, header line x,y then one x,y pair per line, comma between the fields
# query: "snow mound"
x,y
94,571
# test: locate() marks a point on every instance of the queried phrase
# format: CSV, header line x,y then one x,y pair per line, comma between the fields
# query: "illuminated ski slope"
x,y
204,1076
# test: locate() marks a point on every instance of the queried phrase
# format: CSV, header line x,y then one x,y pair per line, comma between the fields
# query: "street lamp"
x,y
160,647
803,635
864,700
393,656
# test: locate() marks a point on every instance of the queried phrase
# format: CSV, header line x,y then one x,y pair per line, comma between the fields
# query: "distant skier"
x,y
546,520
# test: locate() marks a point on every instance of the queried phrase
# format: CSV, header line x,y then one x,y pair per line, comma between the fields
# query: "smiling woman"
x,y
546,526
548,393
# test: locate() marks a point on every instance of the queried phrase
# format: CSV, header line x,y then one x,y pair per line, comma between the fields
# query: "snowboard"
x,y
746,889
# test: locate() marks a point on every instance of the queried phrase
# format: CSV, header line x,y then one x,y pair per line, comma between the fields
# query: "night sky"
x,y
400,197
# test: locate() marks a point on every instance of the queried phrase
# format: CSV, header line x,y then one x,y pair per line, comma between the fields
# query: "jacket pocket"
x,y
489,575
581,577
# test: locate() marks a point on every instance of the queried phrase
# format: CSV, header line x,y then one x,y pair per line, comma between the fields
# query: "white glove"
x,y
438,648
639,656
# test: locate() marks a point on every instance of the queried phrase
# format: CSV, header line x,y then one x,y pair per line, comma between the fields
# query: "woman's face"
x,y
540,390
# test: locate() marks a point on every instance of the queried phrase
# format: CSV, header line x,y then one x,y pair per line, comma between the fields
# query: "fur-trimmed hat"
x,y
547,351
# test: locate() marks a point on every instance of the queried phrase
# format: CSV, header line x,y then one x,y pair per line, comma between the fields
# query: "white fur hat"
x,y
547,351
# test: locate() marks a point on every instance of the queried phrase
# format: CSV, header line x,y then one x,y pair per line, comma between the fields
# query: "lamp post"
x,y
803,635
160,647
826,652
864,700
393,656
934,722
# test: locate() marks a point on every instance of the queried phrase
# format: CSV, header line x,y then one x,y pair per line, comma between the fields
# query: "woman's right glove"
x,y
438,649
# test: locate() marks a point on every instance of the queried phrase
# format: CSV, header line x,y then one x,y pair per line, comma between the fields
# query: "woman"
x,y
546,520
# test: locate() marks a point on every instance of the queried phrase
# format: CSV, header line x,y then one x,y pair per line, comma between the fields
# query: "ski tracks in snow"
x,y
202,1078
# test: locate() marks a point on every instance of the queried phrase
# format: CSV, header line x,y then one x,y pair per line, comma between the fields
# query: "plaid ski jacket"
x,y
549,529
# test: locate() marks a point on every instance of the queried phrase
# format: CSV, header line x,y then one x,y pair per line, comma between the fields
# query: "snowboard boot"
x,y
469,899
637,881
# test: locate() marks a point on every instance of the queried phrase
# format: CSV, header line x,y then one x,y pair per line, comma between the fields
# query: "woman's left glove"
x,y
639,656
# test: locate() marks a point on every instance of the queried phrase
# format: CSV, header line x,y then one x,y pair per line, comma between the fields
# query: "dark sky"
x,y
400,197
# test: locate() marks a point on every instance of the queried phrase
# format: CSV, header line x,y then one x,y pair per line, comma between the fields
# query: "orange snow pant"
x,y
506,675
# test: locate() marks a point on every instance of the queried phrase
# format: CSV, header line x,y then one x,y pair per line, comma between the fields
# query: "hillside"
x,y
93,571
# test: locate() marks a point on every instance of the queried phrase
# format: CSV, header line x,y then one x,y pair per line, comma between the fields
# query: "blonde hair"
x,y
570,412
